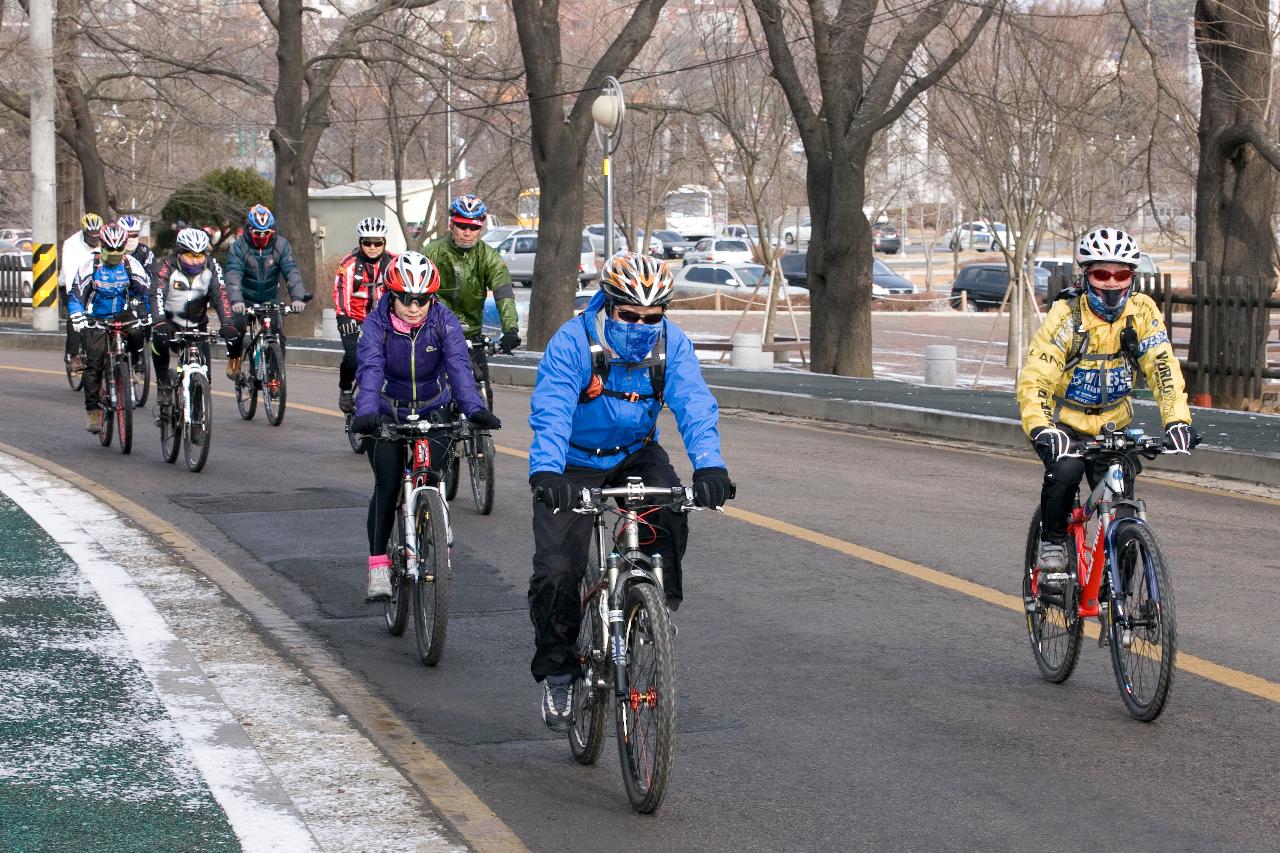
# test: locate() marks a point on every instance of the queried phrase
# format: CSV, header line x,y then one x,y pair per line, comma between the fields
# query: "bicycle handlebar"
x,y
1124,442
122,324
411,429
489,345
595,501
260,309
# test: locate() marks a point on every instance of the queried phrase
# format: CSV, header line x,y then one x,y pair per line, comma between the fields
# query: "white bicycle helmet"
x,y
193,240
1107,245
635,279
131,223
413,275
371,226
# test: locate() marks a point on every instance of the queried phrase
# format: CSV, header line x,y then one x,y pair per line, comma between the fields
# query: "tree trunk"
x,y
555,268
1234,187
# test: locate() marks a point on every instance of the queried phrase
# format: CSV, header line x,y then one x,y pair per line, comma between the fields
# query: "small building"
x,y
338,210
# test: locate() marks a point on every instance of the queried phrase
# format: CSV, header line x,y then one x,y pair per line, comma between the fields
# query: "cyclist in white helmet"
x,y
1079,374
357,286
602,382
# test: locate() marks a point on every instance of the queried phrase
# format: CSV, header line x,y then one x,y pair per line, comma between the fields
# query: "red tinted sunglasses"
x,y
1104,276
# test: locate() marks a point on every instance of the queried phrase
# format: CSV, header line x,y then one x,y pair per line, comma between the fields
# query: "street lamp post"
x,y
607,111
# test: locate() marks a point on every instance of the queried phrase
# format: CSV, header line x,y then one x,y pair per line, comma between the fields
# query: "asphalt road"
x,y
834,693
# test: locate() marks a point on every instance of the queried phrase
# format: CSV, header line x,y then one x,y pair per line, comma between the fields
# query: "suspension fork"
x,y
407,499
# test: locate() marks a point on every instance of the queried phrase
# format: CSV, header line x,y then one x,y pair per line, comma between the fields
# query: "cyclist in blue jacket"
x,y
255,262
601,384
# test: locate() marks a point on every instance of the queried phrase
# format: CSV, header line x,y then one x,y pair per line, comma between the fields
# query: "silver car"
x,y
699,279
519,250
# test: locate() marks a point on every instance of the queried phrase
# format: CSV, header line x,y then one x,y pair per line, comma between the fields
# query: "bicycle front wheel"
x,y
453,470
124,403
646,714
171,427
355,439
273,384
480,466
1054,625
396,608
590,701
431,593
197,432
247,388
1141,625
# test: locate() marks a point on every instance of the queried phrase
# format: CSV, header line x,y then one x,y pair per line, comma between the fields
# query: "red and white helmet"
x,y
413,275
1107,245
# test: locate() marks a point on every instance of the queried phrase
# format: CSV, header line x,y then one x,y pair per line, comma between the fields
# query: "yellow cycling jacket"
x,y
1098,388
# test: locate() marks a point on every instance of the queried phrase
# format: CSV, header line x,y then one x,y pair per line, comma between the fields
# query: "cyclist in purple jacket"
x,y
412,359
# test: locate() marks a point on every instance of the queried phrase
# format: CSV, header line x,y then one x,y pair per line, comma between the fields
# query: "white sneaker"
x,y
379,584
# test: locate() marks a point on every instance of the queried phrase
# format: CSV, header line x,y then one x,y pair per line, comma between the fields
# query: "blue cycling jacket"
x,y
557,418
101,291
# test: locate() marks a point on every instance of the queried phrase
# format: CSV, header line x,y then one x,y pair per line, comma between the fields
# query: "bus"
x,y
694,211
527,207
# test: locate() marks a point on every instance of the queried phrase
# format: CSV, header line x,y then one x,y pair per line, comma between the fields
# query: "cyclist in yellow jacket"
x,y
1080,373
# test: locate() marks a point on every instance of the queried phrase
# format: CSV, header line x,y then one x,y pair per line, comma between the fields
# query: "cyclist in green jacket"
x,y
469,269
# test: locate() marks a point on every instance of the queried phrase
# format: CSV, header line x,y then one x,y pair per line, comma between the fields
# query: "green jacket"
x,y
466,277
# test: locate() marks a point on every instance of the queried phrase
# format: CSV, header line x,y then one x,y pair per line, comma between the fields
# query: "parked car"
x,y
519,250
673,245
738,231
596,233
986,283
655,245
701,278
715,250
968,235
792,234
884,281
495,236
885,238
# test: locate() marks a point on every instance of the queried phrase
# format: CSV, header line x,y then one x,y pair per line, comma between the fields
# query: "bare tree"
x,y
868,67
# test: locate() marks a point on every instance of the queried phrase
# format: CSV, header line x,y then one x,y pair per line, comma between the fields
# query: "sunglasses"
x,y
632,317
373,242
413,298
1104,276
262,232
466,227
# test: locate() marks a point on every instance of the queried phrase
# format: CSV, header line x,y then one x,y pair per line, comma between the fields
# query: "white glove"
x,y
77,321
1052,444
237,308
297,306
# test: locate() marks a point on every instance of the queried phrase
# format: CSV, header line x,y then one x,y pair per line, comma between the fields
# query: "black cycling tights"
x,y
387,460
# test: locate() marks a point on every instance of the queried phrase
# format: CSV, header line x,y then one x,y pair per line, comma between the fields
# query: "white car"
x,y
495,236
520,249
738,231
792,234
697,279
713,250
596,234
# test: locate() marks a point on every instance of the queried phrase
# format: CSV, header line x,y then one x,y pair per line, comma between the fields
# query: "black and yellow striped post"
x,y
44,286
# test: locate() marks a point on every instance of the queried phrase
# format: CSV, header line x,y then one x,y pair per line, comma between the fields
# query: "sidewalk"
x,y
143,711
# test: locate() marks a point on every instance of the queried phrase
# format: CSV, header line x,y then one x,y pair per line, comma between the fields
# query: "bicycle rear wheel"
x,y
1143,637
247,388
646,715
124,402
1053,624
590,703
171,426
140,374
355,439
197,431
273,384
396,608
480,467
431,592
74,378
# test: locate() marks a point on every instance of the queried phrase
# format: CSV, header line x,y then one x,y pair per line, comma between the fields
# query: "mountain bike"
x,y
186,422
115,396
624,642
262,367
475,445
1117,573
420,544
140,381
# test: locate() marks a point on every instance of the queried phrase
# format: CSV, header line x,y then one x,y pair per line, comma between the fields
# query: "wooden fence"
x,y
15,298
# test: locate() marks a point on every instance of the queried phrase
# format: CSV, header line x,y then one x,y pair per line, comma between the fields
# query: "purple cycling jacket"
x,y
401,373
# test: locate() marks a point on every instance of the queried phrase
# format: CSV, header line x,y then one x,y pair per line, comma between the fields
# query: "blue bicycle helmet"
x,y
131,223
468,209
260,218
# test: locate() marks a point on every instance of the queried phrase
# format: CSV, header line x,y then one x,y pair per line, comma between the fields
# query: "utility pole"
x,y
44,197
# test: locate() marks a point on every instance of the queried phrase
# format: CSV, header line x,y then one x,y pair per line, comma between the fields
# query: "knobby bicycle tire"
x,y
1144,642
396,609
197,432
274,390
646,715
590,703
1056,632
431,592
453,471
124,403
108,414
480,467
247,386
140,378
355,439
171,427
74,379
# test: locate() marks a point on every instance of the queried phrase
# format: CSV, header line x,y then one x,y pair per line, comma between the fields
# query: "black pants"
x,y
387,460
73,341
95,359
160,357
480,366
347,369
560,544
1061,482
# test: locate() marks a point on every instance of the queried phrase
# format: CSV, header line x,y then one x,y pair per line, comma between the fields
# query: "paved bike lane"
x,y
140,711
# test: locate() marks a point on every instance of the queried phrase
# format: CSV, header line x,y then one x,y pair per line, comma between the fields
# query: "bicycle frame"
x,y
117,348
190,363
266,319
416,480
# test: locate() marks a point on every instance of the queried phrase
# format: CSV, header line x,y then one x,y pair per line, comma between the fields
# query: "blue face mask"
x,y
631,341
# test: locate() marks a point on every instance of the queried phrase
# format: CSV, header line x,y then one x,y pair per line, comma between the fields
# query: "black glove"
x,y
485,419
366,424
712,487
508,342
556,491
347,326
1051,444
161,334
1180,438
